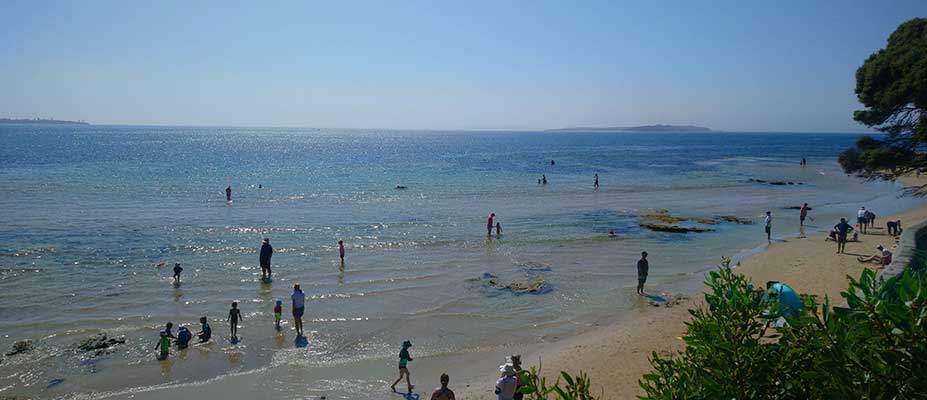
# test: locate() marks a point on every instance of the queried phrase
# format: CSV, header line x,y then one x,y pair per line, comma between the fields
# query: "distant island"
x,y
644,128
41,121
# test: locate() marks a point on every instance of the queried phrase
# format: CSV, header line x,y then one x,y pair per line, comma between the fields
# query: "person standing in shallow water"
x,y
404,359
643,268
267,251
489,224
341,250
767,221
595,182
228,193
299,308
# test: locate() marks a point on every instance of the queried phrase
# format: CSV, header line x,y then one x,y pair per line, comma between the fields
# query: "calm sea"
x,y
89,211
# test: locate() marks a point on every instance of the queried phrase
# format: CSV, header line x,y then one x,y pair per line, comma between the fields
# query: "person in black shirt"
x,y
842,229
266,253
643,268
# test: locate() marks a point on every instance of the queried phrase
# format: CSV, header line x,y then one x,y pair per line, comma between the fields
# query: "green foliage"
x,y
536,386
892,85
875,347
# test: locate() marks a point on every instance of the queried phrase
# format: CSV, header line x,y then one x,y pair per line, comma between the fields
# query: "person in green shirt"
x,y
164,343
404,359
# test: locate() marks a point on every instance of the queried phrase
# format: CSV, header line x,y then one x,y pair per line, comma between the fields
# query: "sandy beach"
x,y
615,357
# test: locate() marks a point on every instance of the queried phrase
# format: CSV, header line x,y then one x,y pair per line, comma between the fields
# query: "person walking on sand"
x,y
489,224
768,226
595,182
506,385
404,359
341,250
861,219
299,308
842,229
233,318
443,393
267,251
802,214
643,268
228,193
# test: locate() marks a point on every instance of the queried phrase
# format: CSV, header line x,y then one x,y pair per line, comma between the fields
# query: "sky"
x,y
728,65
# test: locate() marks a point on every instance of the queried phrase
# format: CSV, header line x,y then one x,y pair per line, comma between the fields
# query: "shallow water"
x,y
89,212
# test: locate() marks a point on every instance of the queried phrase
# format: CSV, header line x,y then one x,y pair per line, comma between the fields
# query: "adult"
x,y
842,229
802,214
643,268
443,393
505,386
595,182
893,227
861,219
267,251
228,193
299,308
516,365
489,224
767,222
543,179
870,219
886,256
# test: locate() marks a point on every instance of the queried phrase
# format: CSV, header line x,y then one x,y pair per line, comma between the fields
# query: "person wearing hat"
x,y
267,251
404,359
443,393
643,268
507,384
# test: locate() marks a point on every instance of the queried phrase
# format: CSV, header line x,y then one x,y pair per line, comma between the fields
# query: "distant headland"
x,y
644,128
41,121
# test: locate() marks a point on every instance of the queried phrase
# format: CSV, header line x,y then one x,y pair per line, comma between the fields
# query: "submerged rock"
x,y
731,218
520,286
673,228
100,343
22,346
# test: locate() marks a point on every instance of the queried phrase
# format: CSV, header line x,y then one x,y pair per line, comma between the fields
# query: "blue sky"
x,y
731,65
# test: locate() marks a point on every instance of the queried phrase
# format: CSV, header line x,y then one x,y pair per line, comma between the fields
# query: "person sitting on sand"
x,y
404,359
883,258
841,230
443,393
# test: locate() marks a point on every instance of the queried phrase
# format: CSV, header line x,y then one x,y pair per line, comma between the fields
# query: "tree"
x,y
892,85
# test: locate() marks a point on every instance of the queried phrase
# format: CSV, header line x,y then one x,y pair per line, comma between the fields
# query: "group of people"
x,y
182,339
491,224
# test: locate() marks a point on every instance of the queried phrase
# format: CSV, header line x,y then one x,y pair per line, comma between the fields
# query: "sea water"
x,y
88,212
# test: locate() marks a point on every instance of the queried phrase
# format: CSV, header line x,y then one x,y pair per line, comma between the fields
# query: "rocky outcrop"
x,y
534,285
736,220
673,228
22,346
100,344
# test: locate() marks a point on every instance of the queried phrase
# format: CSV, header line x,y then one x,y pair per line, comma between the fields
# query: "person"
x,y
803,162
595,182
164,343
498,229
643,268
260,186
404,359
768,223
893,227
552,162
183,337
861,219
177,271
842,229
611,233
543,179
299,308
516,365
341,249
234,316
505,386
870,219
489,224
802,214
278,312
167,328
886,256
228,193
267,251
443,393
883,257
205,332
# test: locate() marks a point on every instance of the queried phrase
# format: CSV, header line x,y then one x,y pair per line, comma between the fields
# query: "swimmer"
x,y
611,234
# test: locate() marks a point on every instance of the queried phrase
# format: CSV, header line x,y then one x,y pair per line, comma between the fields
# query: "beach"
x,y
615,357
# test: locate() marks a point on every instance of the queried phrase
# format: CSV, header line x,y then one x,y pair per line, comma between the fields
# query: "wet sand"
x,y
615,357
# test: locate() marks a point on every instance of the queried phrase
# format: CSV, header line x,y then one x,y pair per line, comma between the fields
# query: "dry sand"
x,y
616,357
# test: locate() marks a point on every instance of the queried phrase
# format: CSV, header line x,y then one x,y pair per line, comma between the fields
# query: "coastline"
x,y
616,356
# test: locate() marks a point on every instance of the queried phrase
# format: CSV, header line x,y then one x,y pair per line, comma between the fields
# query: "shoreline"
x,y
615,357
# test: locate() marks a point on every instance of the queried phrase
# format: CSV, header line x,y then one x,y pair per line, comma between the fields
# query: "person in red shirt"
x,y
489,224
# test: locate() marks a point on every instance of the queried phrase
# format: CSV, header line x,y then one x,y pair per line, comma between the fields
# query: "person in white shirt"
x,y
299,308
506,385
861,219
768,223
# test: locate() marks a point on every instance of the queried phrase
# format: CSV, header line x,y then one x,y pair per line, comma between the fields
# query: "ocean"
x,y
89,211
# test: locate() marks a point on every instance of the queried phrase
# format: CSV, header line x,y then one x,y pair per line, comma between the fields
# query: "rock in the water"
x,y
100,343
21,346
673,228
533,286
731,218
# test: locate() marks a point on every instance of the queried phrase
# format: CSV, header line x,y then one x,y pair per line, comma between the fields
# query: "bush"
x,y
875,347
536,387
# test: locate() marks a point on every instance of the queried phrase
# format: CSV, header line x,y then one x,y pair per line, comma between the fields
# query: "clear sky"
x,y
731,65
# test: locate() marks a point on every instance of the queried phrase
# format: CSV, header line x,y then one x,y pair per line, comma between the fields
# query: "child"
x,y
278,312
234,316
183,337
341,249
164,343
177,271
404,358
205,331
498,229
